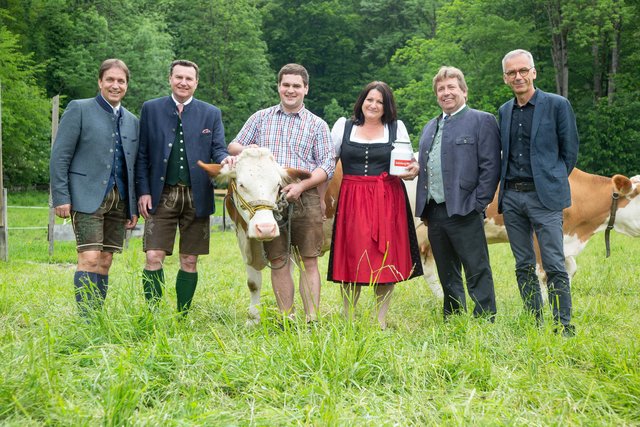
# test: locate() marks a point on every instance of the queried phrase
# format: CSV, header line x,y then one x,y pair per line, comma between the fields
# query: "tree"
x,y
25,116
223,37
325,36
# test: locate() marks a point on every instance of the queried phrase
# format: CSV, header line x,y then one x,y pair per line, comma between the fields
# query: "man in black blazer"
x,y
92,179
173,192
459,169
539,149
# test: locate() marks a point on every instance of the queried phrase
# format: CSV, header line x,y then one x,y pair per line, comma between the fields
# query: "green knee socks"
x,y
152,282
185,288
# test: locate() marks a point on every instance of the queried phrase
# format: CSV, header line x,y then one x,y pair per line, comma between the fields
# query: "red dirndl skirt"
x,y
371,242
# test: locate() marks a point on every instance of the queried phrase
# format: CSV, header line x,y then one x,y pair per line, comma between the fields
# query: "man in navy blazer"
x,y
539,149
92,179
459,169
173,192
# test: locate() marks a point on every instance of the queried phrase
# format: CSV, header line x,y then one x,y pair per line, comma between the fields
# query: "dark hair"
x,y
108,64
184,63
295,69
388,103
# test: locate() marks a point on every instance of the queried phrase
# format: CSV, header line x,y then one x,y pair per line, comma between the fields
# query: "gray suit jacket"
x,y
82,155
470,158
554,148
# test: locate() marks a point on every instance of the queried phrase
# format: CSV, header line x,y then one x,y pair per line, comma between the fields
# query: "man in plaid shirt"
x,y
301,140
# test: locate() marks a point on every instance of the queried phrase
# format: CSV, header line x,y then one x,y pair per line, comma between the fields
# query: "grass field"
x,y
127,366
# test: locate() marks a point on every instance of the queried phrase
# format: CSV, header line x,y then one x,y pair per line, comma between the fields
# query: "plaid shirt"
x,y
300,140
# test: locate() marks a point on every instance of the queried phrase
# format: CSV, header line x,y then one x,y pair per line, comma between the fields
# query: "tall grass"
x,y
129,366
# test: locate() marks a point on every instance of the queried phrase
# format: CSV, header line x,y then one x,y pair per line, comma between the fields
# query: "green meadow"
x,y
129,366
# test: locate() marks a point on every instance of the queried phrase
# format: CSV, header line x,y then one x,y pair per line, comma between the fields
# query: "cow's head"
x,y
255,184
628,215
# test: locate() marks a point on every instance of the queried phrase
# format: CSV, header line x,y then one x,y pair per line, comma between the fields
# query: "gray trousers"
x,y
524,214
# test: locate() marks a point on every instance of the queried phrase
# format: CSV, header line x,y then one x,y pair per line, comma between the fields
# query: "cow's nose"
x,y
266,230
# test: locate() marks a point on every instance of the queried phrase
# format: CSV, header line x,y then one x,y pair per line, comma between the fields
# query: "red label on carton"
x,y
401,163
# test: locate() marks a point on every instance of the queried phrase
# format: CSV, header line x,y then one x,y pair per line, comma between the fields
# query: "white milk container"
x,y
401,157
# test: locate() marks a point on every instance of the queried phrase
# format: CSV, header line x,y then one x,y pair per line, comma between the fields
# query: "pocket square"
x,y
205,131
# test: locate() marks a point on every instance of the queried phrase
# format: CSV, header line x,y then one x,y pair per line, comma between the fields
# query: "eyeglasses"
x,y
523,72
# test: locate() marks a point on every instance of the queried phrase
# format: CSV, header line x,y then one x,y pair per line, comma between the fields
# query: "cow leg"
x,y
254,282
571,265
430,275
252,253
428,263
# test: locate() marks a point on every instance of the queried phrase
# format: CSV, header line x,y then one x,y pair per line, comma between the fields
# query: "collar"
x,y
531,101
280,109
108,107
187,102
455,112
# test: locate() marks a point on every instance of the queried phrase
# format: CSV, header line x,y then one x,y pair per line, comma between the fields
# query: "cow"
x,y
253,196
590,212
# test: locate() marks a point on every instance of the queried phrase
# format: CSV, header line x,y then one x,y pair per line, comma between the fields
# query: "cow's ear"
x,y
297,174
622,184
218,172
212,169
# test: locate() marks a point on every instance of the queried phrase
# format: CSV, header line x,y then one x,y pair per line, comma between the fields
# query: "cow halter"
x,y
249,209
612,219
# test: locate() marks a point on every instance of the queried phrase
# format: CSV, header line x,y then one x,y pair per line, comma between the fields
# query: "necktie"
x,y
180,107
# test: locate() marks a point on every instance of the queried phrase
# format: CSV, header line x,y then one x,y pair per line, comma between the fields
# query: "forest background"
x,y
586,50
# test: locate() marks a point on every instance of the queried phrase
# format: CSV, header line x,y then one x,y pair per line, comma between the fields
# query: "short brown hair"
x,y
184,63
108,64
448,73
388,103
295,69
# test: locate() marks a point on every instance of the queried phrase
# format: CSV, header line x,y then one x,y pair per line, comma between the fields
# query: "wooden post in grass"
x,y
54,132
4,241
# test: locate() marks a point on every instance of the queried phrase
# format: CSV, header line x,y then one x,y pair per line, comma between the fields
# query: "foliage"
x,y
227,46
333,111
25,115
609,136
588,50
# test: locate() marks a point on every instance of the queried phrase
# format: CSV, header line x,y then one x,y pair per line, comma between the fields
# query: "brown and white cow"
x,y
252,198
591,197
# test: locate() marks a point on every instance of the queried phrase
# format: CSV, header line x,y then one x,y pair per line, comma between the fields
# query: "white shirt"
x,y
183,103
456,112
338,131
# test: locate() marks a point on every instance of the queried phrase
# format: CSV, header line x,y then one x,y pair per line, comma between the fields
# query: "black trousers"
x,y
459,242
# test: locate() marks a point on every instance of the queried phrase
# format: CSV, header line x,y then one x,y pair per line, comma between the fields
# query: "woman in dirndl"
x,y
374,240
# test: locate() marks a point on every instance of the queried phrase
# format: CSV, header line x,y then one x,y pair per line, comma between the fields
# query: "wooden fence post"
x,y
54,132
4,226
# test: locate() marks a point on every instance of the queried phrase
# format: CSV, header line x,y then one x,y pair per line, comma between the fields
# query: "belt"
x,y
522,186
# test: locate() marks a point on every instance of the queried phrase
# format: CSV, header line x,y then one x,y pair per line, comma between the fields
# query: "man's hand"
x,y
130,224
411,171
229,160
144,205
63,211
293,191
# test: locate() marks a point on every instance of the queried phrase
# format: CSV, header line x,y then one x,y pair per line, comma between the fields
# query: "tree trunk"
x,y
597,75
615,59
559,46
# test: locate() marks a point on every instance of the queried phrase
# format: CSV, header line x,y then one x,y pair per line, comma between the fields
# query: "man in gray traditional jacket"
x,y
92,179
459,171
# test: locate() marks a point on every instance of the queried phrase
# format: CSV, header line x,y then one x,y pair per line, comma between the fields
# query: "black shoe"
x,y
567,331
